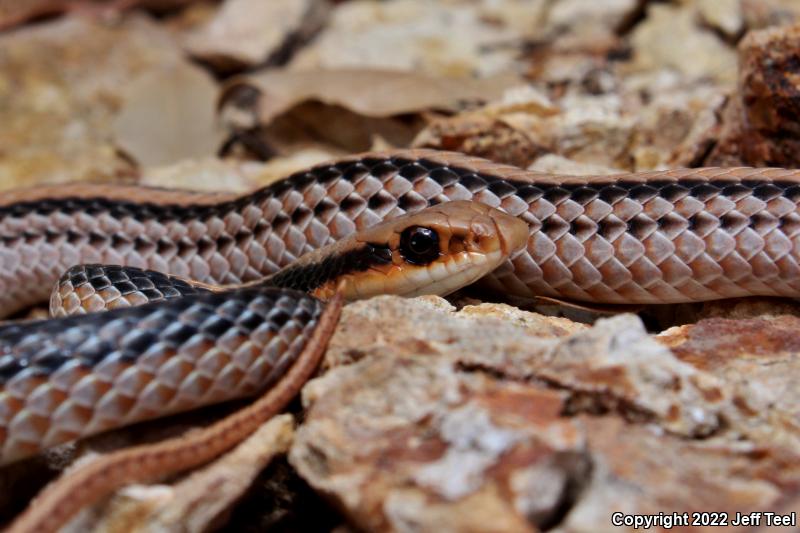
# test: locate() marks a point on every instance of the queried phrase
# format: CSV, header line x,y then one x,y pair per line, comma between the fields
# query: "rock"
x,y
280,167
483,136
578,37
245,33
673,128
582,128
522,99
669,35
412,35
206,174
476,421
588,16
769,86
556,164
506,129
759,123
723,15
535,324
759,14
736,308
638,471
592,129
757,358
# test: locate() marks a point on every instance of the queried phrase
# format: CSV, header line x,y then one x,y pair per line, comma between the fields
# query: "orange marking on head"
x,y
457,243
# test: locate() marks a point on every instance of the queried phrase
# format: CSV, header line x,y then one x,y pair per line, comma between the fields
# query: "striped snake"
x,y
652,237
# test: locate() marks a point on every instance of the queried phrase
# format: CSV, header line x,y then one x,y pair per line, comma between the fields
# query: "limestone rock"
x,y
476,421
244,33
670,35
411,35
723,15
759,14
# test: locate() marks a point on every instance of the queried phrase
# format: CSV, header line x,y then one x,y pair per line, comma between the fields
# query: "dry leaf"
x,y
62,84
374,93
168,115
347,111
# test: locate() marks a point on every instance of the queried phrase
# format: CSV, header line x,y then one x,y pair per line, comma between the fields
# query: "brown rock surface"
x,y
669,35
723,15
457,420
760,124
760,14
769,86
758,358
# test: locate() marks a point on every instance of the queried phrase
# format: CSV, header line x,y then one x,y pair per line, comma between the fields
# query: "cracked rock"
x,y
431,419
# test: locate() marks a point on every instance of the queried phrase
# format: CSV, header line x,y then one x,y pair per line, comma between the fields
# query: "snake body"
x,y
652,237
68,378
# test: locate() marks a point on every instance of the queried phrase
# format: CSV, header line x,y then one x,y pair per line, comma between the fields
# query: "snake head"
x,y
433,251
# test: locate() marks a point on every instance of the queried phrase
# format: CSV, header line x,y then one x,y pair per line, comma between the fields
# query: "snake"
x,y
165,344
655,237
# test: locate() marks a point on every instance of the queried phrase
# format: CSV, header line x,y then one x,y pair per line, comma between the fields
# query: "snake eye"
x,y
419,245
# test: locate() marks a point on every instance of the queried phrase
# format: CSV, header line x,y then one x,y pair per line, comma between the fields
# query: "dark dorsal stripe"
x,y
309,277
412,170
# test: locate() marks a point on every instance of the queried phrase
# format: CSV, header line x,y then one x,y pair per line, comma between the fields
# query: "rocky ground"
x,y
437,415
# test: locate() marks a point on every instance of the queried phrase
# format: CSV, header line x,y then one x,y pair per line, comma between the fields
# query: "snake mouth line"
x,y
447,277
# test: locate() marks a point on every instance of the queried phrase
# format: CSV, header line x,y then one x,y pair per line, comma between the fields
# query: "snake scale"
x,y
650,237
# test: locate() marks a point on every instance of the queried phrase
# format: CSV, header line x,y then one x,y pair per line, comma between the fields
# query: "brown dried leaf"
x,y
14,12
373,93
63,83
168,115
